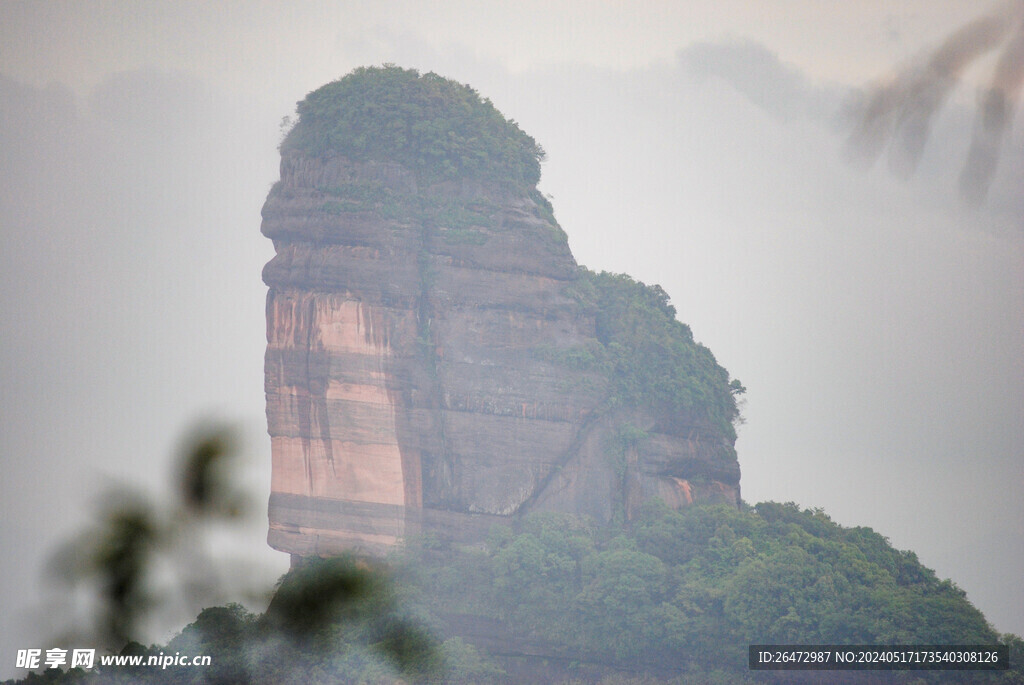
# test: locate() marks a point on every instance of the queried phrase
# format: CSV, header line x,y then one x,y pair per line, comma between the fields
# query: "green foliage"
x,y
649,357
224,634
331,620
677,597
465,665
544,210
462,236
630,436
113,560
654,358
450,214
685,592
544,207
320,593
436,211
624,589
119,561
588,357
367,197
347,608
440,129
456,215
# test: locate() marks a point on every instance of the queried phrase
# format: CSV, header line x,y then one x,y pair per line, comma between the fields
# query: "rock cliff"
x,y
436,360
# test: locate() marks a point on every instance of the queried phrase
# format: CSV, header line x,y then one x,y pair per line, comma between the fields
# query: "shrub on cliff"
x,y
440,129
649,356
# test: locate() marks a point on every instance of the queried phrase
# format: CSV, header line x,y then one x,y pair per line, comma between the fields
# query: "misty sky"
x,y
877,322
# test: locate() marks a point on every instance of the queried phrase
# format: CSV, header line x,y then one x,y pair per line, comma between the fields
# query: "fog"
x,y
876,319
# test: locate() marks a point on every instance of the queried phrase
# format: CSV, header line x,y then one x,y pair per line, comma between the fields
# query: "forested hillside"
x,y
675,597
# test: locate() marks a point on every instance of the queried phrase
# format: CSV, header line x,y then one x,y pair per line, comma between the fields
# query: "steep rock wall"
x,y
410,378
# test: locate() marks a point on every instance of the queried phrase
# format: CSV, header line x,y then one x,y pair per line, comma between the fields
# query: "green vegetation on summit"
x,y
436,127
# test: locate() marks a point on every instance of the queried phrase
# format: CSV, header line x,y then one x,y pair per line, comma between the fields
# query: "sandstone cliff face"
x,y
410,377
436,360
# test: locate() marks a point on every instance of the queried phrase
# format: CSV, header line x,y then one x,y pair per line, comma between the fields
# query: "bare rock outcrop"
x,y
434,362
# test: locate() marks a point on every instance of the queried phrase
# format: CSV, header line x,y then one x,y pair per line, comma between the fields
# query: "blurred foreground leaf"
x,y
328,616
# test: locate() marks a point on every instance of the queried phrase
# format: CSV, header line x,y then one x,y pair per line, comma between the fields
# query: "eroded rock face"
x,y
410,377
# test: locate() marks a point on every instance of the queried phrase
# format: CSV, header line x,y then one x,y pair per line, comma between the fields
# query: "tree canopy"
x,y
680,594
441,129
649,357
